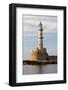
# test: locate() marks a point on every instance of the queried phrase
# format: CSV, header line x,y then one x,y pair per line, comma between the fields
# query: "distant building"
x,y
39,53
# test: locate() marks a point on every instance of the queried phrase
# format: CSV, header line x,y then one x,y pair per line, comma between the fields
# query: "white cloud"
x,y
40,17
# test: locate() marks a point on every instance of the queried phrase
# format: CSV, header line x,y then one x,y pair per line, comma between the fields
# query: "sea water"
x,y
39,69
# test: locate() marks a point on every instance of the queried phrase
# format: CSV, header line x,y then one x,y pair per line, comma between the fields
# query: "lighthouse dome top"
x,y
40,26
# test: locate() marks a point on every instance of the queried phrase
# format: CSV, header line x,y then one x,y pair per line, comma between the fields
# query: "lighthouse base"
x,y
36,54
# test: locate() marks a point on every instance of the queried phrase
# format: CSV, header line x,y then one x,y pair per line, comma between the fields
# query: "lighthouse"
x,y
40,36
38,53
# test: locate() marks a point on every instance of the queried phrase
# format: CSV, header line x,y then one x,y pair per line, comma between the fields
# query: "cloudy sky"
x,y
30,26
49,22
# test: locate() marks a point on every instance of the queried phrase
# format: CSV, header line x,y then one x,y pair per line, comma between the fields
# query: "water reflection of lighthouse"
x,y
39,53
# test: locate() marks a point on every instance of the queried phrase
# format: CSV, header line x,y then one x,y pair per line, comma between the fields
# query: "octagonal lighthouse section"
x,y
39,53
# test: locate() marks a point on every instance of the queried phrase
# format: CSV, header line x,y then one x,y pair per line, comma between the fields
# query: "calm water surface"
x,y
39,69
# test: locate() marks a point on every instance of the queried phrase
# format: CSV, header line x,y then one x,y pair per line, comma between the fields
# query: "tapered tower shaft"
x,y
40,37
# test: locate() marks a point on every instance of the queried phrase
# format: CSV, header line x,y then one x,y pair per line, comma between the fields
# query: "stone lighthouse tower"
x,y
38,53
40,36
